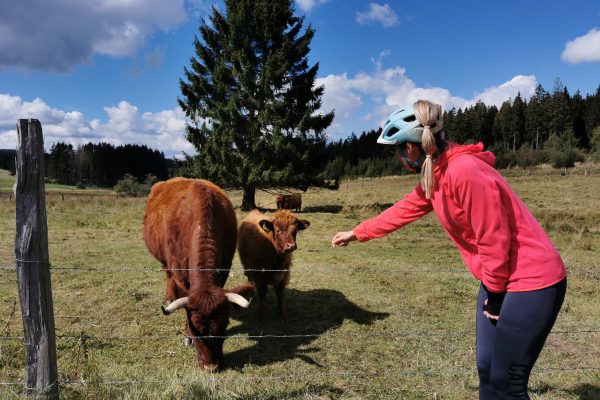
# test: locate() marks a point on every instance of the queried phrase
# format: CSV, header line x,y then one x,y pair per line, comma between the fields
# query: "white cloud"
x,y
307,5
378,13
120,41
42,35
338,95
496,95
365,100
163,131
584,48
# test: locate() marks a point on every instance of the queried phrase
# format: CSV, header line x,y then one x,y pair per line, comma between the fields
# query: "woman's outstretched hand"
x,y
342,238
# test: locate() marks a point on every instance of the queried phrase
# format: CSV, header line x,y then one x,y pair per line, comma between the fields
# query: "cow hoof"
x,y
187,341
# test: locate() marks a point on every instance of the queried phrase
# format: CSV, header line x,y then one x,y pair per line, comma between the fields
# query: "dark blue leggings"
x,y
508,349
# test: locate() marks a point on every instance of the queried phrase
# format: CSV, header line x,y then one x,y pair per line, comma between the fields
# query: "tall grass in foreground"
x,y
388,319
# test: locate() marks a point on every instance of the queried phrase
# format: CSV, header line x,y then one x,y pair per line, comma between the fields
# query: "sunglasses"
x,y
399,150
401,153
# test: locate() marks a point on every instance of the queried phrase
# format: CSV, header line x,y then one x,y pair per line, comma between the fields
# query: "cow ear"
x,y
266,224
302,224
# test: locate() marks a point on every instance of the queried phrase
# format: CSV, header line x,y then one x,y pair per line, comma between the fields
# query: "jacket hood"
x,y
456,150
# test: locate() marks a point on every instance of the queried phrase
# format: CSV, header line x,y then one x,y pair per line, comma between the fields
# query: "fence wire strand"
x,y
298,336
301,377
239,268
457,269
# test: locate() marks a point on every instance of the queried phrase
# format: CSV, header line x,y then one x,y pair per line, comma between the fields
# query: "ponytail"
x,y
430,116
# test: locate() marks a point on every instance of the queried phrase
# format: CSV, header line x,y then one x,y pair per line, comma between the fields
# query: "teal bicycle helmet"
x,y
401,126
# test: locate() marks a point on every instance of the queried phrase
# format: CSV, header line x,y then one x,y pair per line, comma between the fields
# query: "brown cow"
x,y
265,244
190,228
289,201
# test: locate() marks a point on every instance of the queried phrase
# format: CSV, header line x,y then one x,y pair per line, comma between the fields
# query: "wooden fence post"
x,y
33,263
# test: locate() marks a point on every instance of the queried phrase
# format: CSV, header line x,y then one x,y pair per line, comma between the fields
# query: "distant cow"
x,y
190,228
266,243
289,201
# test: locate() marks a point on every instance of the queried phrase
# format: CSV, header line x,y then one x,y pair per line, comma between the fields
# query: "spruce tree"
x,y
61,163
251,98
558,112
535,118
519,111
578,113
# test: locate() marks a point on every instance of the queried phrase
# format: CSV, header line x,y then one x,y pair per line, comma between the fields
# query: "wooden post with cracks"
x,y
33,263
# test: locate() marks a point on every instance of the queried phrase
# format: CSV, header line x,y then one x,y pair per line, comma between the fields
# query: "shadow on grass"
x,y
322,391
327,208
336,209
193,391
585,391
312,312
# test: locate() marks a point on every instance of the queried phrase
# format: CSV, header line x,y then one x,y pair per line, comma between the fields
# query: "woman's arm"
x,y
412,207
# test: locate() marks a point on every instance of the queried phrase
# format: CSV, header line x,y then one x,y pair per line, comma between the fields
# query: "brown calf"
x,y
265,244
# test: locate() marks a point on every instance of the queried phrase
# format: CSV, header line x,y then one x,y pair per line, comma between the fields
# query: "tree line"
x,y
7,160
549,121
103,164
554,127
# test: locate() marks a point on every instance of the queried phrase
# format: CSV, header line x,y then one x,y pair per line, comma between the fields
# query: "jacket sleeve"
x,y
480,194
412,207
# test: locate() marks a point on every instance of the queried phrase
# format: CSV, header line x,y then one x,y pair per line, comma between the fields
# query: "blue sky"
x,y
108,70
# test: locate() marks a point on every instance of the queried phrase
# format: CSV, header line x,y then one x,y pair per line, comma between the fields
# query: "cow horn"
x,y
237,299
176,305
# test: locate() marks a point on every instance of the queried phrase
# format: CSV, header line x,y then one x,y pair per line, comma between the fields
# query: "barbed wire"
x,y
239,268
303,377
458,269
297,336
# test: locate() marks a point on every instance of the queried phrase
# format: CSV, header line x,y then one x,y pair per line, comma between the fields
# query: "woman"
x,y
523,279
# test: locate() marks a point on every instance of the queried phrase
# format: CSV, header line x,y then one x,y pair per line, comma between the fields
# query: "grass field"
x,y
388,319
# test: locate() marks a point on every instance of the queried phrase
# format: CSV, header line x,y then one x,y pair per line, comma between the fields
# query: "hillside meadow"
x,y
388,319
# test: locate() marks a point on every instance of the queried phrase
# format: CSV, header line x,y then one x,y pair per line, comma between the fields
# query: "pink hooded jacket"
x,y
499,239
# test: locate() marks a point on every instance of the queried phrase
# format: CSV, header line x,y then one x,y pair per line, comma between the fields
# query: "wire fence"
x,y
593,271
356,335
453,269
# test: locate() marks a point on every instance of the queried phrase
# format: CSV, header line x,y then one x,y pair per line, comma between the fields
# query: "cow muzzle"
x,y
289,247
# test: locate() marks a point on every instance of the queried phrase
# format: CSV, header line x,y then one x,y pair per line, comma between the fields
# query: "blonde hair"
x,y
430,116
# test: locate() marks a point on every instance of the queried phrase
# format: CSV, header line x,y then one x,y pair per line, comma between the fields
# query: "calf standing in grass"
x,y
265,244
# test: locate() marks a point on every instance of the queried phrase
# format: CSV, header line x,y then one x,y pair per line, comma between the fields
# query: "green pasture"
x,y
7,181
389,319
